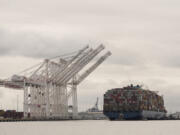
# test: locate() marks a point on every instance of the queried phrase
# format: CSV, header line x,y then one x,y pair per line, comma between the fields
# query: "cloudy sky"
x,y
143,36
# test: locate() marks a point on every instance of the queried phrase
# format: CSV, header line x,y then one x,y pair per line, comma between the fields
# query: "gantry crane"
x,y
49,85
95,107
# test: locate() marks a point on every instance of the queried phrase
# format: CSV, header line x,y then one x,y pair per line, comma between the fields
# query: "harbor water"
x,y
91,127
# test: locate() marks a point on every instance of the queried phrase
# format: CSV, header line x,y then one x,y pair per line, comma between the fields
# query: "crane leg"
x,y
25,105
74,100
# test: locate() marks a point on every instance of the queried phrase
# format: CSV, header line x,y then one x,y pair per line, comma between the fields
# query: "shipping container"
x,y
133,102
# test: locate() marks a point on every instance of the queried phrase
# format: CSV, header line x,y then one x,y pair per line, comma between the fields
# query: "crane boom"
x,y
72,66
69,63
75,65
83,63
93,67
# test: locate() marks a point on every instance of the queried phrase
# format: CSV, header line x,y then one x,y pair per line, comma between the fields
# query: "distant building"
x,y
176,115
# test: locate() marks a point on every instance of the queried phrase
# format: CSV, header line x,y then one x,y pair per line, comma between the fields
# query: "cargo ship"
x,y
133,103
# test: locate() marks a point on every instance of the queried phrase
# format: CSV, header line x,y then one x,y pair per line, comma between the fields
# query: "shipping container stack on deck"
x,y
131,101
11,114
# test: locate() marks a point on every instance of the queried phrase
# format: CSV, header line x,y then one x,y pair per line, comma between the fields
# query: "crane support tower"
x,y
49,85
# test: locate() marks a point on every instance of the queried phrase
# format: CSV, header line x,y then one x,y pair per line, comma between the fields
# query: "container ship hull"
x,y
133,102
139,115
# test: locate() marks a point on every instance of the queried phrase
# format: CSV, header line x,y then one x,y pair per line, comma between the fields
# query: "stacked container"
x,y
132,99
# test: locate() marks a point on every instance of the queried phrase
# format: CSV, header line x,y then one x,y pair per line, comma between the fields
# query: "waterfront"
x,y
91,127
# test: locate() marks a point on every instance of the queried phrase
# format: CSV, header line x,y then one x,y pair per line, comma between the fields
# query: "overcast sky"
x,y
143,36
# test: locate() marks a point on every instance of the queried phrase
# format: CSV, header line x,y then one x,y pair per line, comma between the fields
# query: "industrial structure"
x,y
95,107
93,113
50,85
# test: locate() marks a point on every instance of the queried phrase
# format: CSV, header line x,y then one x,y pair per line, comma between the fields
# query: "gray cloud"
x,y
136,32
142,35
33,44
40,45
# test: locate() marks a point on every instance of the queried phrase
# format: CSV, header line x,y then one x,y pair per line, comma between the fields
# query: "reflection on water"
x,y
101,127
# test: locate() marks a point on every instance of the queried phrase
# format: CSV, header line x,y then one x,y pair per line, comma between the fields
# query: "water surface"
x,y
91,127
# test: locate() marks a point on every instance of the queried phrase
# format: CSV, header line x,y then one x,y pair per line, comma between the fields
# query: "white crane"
x,y
95,107
49,85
